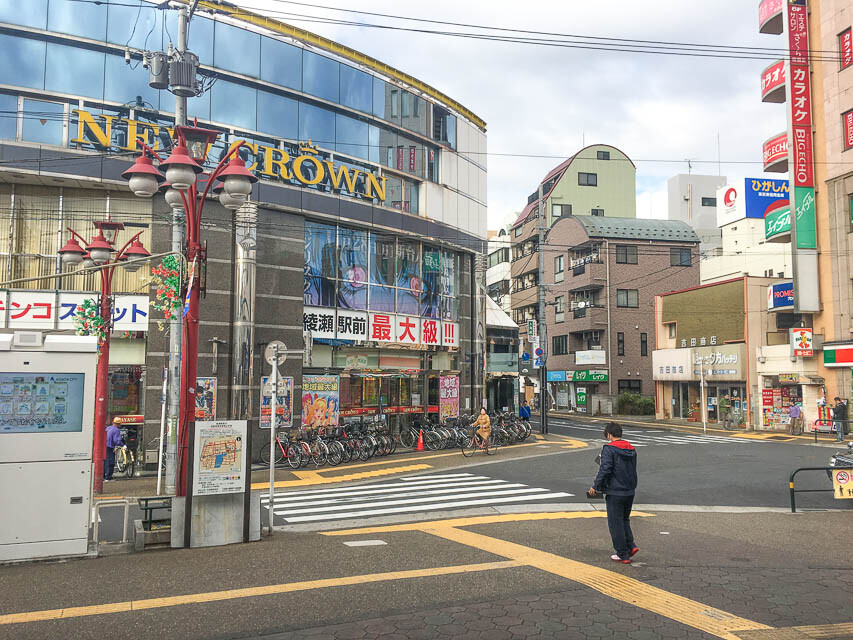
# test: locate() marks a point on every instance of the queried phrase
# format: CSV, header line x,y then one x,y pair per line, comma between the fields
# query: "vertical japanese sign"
x,y
803,209
448,397
283,404
205,399
845,45
320,401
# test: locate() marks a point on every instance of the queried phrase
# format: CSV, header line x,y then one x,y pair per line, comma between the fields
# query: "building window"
x,y
644,344
628,298
671,330
845,47
517,230
559,345
559,309
559,271
602,155
587,179
597,212
560,210
498,257
680,257
626,254
709,202
630,386
620,344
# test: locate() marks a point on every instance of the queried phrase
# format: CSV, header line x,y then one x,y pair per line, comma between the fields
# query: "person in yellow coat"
x,y
484,425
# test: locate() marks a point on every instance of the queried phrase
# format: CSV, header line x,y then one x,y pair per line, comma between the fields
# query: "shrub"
x,y
633,404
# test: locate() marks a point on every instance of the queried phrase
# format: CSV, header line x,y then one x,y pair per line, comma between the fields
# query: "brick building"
x,y
603,275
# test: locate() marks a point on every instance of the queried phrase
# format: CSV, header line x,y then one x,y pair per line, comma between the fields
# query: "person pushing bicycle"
x,y
484,425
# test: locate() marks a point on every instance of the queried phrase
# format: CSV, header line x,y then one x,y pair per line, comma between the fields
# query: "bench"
x,y
148,505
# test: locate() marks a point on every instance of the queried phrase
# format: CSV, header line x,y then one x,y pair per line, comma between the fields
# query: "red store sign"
x,y
798,34
773,78
775,150
801,100
767,10
848,130
845,44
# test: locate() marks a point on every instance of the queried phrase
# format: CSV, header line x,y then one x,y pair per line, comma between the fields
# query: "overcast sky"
x,y
549,101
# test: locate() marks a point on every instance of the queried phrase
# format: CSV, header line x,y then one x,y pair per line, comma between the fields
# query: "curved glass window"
x,y
413,111
413,156
320,76
139,27
236,49
74,70
386,101
356,89
320,263
22,61
123,83
8,116
199,35
317,124
234,104
382,299
32,13
351,136
281,63
43,121
373,141
277,115
87,20
394,193
382,259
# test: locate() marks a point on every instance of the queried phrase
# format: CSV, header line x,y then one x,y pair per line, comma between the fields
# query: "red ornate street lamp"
x,y
186,178
101,252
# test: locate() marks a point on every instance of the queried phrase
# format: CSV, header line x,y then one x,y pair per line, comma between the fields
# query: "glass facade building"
x,y
372,185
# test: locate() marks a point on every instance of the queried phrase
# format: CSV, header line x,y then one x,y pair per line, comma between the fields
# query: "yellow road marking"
x,y
778,437
231,594
614,585
469,522
827,630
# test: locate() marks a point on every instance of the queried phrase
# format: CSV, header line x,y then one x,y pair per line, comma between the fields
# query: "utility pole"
x,y
543,325
173,401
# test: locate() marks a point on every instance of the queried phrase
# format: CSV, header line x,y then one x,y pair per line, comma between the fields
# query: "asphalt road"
x,y
686,469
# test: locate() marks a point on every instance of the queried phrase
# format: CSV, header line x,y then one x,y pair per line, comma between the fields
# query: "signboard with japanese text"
x,y
320,401
27,309
778,224
319,322
671,364
205,399
845,46
351,325
220,457
773,82
430,332
592,356
767,11
802,342
780,296
448,398
721,363
450,334
283,403
752,198
408,329
383,327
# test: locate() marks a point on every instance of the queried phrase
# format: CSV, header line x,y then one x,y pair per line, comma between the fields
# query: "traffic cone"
x,y
420,446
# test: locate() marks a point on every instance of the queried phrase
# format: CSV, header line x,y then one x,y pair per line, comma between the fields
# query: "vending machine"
x,y
47,400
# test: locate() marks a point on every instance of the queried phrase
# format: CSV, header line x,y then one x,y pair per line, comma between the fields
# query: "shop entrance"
x,y
681,400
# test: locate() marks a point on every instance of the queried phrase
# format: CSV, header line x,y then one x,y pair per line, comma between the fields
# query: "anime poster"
x,y
320,401
283,407
205,399
352,267
448,397
320,264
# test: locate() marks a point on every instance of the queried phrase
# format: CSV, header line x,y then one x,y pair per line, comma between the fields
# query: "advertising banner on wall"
x,y
753,198
770,16
773,82
802,342
780,296
320,401
775,153
283,406
847,121
448,397
27,309
205,399
777,224
845,44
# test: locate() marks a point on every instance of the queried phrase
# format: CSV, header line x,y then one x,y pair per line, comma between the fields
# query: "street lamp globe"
x,y
173,197
237,180
99,249
72,253
135,252
181,170
143,177
88,263
227,200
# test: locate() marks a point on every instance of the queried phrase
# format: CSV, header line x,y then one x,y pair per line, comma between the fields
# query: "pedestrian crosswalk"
x,y
403,496
651,437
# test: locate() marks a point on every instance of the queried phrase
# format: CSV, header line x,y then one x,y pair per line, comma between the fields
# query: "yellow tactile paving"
x,y
231,594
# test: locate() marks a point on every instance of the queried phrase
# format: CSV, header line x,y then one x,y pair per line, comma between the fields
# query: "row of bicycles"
x,y
364,441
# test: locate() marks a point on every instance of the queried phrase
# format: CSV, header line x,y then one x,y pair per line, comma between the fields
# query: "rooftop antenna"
x,y
689,165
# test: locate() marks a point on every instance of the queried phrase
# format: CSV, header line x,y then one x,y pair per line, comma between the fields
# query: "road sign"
x,y
538,352
531,328
282,352
842,483
525,357
538,363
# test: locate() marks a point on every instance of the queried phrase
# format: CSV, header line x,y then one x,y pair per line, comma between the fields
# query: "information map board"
x,y
220,457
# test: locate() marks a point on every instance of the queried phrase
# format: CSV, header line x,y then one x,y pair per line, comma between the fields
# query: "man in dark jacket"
x,y
617,478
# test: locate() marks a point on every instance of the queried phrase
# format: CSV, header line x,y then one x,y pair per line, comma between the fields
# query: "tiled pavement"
x,y
575,613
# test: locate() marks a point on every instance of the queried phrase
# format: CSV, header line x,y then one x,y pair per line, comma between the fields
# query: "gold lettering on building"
x,y
85,122
343,172
319,171
270,161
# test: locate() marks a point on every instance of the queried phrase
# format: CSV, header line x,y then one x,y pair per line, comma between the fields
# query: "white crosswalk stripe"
x,y
403,496
645,440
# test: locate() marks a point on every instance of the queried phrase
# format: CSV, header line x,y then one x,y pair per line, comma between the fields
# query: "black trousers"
x,y
619,523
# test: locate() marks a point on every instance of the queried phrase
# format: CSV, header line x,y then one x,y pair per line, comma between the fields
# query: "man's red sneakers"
x,y
616,558
634,551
